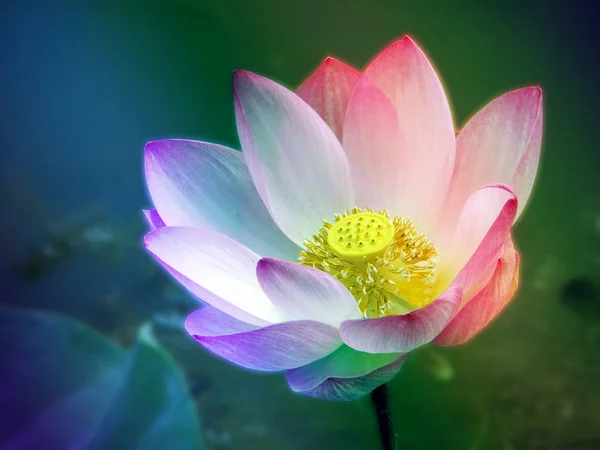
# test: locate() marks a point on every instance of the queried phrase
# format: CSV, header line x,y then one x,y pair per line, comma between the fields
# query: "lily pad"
x,y
64,386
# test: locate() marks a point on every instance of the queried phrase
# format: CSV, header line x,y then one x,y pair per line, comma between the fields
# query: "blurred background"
x,y
86,84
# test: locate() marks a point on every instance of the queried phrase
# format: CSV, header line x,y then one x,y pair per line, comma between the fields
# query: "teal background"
x,y
86,84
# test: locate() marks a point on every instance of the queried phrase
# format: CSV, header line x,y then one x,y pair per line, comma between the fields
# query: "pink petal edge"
x,y
328,91
477,313
402,333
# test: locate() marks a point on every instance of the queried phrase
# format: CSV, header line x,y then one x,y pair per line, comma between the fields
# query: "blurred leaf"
x,y
67,387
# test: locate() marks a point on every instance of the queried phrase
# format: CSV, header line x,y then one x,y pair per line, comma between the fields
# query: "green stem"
x,y
387,435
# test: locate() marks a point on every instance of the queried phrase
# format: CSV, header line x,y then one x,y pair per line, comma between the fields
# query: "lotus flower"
x,y
354,226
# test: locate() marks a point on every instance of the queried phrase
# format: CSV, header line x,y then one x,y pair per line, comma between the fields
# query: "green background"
x,y
86,84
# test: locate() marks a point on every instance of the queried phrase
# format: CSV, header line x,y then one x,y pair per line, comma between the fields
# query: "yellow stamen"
x,y
387,264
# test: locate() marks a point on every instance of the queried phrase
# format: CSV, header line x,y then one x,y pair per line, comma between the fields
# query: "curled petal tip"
x,y
264,263
241,75
331,61
151,146
146,241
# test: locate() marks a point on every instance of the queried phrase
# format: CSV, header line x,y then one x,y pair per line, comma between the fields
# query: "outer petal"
x,y
154,223
296,162
224,269
206,185
482,308
402,333
405,75
153,218
376,152
476,218
328,90
306,293
490,211
209,321
345,374
275,347
500,144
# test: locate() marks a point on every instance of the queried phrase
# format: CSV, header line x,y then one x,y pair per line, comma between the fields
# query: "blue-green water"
x,y
86,85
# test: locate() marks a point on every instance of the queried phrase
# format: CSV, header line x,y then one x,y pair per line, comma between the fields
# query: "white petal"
x,y
221,266
206,185
305,293
297,164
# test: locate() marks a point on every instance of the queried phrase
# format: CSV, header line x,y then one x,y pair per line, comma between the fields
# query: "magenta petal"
x,y
402,333
275,347
346,374
153,218
209,321
481,309
305,293
481,265
328,91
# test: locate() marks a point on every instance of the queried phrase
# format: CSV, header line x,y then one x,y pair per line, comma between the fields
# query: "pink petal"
x,y
500,144
328,90
376,153
345,374
402,333
482,308
224,270
296,162
407,78
490,213
275,347
304,293
153,218
206,185
476,217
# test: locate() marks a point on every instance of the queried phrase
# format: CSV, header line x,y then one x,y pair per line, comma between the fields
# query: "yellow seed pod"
x,y
364,234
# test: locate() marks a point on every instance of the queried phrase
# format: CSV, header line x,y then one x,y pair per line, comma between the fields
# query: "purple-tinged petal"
x,y
328,91
500,144
281,346
298,166
224,270
207,185
305,293
153,218
349,389
346,374
209,321
402,333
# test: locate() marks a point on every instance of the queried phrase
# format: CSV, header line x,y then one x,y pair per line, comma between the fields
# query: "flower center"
x,y
386,263
361,235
